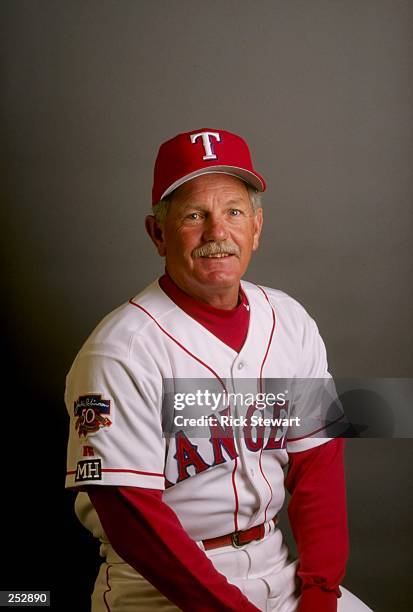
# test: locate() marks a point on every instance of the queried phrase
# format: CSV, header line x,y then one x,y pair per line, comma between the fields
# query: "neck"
x,y
225,298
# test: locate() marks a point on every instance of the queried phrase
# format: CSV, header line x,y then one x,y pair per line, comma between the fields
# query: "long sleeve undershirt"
x,y
318,518
147,534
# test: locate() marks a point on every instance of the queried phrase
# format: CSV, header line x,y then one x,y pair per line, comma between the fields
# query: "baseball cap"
x,y
203,151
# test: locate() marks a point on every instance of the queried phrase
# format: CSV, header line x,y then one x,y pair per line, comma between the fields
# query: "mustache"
x,y
226,247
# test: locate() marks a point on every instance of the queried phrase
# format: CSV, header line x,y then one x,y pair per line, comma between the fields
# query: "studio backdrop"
x,y
322,91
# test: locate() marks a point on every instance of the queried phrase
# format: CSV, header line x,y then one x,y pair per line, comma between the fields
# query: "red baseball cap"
x,y
203,151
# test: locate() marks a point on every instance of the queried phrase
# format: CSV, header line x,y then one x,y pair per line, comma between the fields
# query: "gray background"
x,y
323,93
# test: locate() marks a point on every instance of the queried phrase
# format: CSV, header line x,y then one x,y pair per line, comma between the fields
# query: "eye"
x,y
234,212
193,216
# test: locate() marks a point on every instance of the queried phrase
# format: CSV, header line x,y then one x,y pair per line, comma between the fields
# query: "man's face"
x,y
209,235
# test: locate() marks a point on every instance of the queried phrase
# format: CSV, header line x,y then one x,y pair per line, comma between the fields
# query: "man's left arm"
x,y
318,517
316,480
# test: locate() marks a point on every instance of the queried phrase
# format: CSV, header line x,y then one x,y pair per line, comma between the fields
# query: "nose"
x,y
214,229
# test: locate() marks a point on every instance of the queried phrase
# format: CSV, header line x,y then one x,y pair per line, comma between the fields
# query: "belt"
x,y
237,539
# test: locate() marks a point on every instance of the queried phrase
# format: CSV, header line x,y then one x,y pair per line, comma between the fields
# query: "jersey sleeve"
x,y
115,407
317,414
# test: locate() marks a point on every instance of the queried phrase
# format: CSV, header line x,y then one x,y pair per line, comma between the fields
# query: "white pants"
x,y
262,570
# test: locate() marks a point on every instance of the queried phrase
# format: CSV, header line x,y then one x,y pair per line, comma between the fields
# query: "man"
x,y
186,519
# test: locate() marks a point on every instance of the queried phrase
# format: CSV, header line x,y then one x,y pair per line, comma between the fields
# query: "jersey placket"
x,y
248,365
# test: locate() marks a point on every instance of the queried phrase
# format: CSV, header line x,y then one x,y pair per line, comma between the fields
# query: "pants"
x,y
262,570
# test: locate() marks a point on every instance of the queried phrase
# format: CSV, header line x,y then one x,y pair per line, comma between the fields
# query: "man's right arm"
x,y
147,534
130,446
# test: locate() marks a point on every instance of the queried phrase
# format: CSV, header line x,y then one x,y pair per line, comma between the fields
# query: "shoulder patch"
x,y
90,411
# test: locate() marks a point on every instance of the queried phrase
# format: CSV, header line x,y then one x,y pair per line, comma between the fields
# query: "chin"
x,y
221,270
219,279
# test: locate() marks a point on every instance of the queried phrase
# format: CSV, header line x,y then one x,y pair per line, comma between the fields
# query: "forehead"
x,y
208,187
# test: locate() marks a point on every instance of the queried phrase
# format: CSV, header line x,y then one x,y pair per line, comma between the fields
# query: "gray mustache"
x,y
216,248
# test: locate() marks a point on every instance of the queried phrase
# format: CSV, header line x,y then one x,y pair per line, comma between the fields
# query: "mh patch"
x,y
90,411
90,469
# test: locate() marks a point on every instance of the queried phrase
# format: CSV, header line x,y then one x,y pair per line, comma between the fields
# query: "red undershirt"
x,y
230,326
176,566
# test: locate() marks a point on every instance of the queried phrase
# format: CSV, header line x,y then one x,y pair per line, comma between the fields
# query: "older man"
x,y
188,520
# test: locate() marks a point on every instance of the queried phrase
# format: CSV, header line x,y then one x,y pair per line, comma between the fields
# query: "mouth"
x,y
216,250
217,256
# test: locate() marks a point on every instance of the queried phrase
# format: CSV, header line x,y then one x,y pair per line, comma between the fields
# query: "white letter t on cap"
x,y
209,153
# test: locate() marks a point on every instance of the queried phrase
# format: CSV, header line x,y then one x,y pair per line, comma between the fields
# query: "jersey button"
x,y
240,365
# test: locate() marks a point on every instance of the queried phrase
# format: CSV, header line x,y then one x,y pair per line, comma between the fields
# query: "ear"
x,y
156,234
258,221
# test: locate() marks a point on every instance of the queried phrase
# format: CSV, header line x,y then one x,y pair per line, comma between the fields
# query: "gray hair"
x,y
160,210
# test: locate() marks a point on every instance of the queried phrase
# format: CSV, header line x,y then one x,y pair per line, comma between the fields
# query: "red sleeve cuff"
x,y
317,599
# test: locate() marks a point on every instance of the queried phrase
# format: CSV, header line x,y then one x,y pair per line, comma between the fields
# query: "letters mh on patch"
x,y
90,469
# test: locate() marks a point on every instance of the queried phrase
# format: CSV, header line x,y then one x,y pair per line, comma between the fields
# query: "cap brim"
x,y
253,179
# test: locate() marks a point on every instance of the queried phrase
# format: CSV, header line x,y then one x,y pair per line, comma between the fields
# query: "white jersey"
x,y
115,398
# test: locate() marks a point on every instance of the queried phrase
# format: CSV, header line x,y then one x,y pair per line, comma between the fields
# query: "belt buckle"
x,y
235,540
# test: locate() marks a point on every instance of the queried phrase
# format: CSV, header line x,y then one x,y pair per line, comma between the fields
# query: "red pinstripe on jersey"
x,y
178,343
234,486
208,367
269,486
271,335
342,416
123,470
261,389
